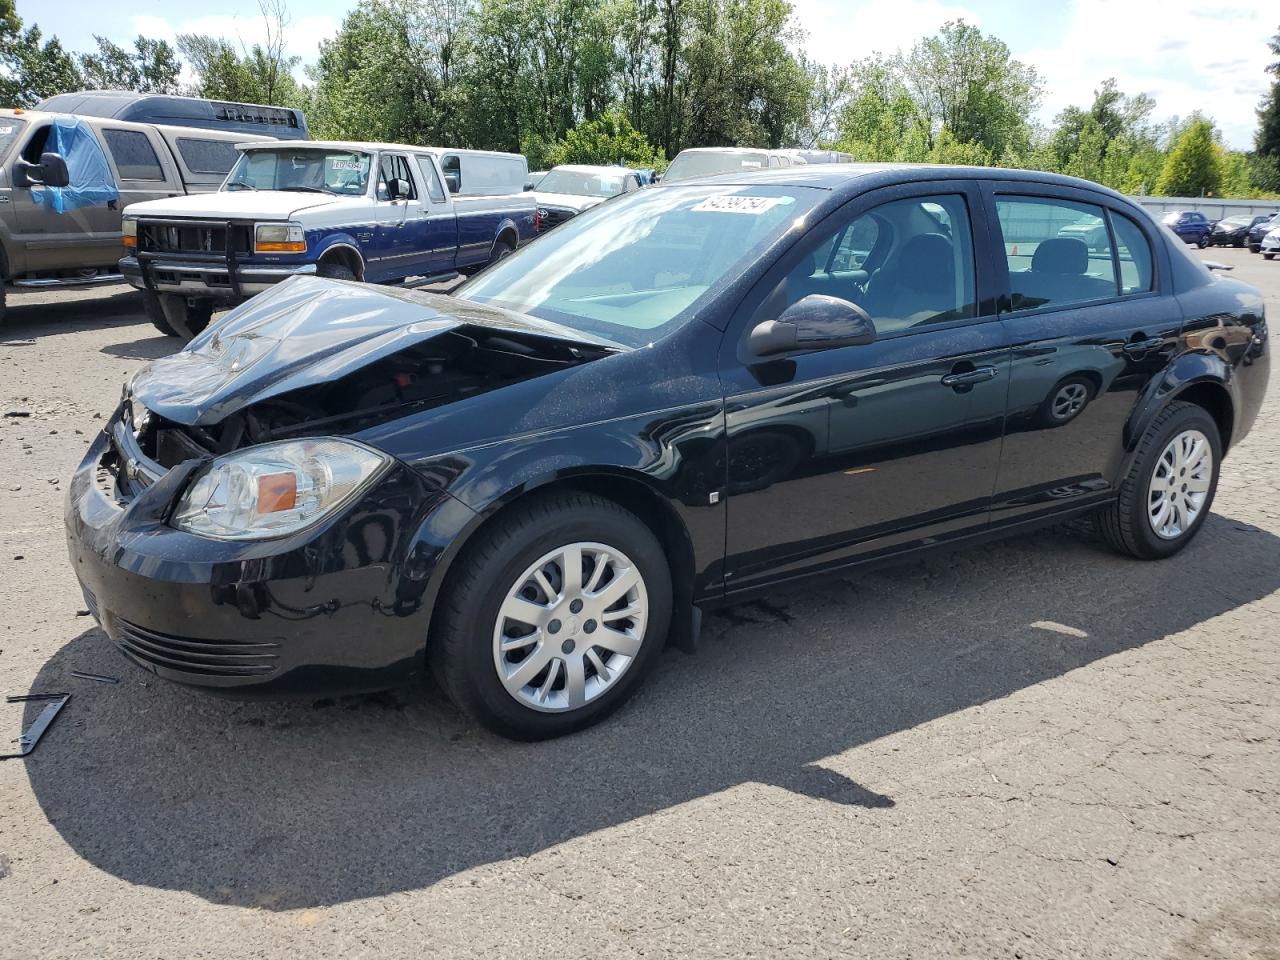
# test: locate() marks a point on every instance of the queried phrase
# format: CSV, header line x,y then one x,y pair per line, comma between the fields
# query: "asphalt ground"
x,y
1031,749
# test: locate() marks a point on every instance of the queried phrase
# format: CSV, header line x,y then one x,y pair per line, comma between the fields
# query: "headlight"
x,y
277,488
279,238
130,228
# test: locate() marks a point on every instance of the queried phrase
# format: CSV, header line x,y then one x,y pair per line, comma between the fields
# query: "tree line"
x,y
636,81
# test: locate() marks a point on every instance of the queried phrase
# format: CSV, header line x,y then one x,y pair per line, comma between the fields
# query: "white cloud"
x,y
840,32
304,33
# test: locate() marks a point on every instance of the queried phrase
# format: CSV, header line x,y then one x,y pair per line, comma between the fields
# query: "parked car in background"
x,y
1260,230
1270,244
67,178
1092,230
535,178
818,156
1191,225
569,189
1234,231
712,161
676,401
350,211
278,123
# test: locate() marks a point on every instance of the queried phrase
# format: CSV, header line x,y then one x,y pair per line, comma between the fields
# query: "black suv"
x,y
679,399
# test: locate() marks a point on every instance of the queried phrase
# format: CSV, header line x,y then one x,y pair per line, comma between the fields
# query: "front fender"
x,y
342,239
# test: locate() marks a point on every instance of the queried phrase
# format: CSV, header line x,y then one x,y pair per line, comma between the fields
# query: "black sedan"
x,y
678,400
1234,231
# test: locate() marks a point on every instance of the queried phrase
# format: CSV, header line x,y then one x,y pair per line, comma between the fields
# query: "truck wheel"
x,y
1268,256
186,319
552,616
3,306
501,250
155,313
336,271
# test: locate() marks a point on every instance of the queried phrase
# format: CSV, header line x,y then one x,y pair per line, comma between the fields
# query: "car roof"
x,y
852,178
370,147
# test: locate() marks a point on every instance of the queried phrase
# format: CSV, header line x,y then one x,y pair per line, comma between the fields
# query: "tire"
x,y
1254,248
501,250
1268,256
4,306
1202,242
1066,401
336,271
463,651
155,313
1238,244
186,319
1126,523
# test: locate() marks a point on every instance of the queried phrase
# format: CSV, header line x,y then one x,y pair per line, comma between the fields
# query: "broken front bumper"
x,y
206,278
344,606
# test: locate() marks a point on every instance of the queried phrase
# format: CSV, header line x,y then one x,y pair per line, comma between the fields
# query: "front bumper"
x,y
206,278
342,607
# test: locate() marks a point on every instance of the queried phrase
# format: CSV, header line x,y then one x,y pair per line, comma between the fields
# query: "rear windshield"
x,y
340,172
638,268
688,165
1238,221
582,184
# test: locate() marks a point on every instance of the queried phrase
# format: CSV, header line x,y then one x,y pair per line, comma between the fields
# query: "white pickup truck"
x,y
378,212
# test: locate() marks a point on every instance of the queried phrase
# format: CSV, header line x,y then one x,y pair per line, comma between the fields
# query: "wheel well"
x,y
1217,402
345,256
509,234
632,495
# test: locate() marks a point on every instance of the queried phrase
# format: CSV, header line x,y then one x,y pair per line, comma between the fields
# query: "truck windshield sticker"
x,y
5,131
336,163
755,205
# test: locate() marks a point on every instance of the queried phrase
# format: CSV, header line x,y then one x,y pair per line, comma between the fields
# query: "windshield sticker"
x,y
739,204
337,164
5,131
752,164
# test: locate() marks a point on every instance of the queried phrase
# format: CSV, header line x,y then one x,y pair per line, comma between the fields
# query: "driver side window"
x,y
395,167
908,263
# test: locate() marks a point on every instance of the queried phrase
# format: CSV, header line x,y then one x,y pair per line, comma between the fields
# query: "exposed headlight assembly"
x,y
276,488
279,238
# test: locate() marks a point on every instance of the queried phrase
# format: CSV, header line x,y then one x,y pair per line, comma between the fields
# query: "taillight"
x,y
537,219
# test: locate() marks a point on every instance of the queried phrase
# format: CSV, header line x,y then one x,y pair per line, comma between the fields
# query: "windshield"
x,y
636,270
341,172
10,129
1238,221
689,164
581,184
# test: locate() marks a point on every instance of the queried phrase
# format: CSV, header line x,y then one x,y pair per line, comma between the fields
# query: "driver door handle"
x,y
967,378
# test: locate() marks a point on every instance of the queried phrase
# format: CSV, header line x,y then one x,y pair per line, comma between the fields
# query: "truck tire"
x,y
186,318
336,271
155,313
3,306
501,250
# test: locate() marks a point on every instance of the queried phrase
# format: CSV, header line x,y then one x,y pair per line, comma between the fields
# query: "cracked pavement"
x,y
1033,749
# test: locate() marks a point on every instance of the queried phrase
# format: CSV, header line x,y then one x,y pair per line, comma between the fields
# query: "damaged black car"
x,y
680,399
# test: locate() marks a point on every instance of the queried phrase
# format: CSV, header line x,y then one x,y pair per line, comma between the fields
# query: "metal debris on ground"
x,y
94,676
31,736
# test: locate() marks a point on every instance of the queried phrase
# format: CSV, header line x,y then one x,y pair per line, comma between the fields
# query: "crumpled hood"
x,y
226,204
307,331
567,201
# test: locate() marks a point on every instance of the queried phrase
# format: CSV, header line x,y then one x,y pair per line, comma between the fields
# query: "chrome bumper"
x,y
207,279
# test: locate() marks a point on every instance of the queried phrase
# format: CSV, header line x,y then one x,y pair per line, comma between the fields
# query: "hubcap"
x,y
1069,401
1180,484
570,626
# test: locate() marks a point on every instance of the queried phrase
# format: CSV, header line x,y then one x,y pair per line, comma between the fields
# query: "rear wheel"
x,y
501,250
552,617
1169,489
1202,242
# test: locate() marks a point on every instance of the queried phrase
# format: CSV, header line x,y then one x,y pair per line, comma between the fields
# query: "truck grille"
x,y
159,236
210,658
554,216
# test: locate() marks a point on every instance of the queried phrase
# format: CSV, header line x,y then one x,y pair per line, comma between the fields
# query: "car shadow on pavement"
x,y
144,348
29,315
284,806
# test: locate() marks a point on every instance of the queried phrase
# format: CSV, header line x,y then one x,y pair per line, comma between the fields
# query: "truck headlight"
x,y
276,488
279,238
129,226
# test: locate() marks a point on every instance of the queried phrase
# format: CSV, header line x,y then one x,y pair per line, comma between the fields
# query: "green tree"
x,y
32,68
610,138
1267,139
1194,165
262,73
151,67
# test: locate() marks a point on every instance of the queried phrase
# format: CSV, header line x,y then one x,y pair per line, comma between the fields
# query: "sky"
x,y
1186,54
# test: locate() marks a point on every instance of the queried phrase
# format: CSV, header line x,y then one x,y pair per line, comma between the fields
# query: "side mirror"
x,y
655,178
452,182
816,322
528,185
398,189
51,171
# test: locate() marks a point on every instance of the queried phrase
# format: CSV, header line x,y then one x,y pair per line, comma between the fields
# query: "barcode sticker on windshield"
x,y
344,164
739,204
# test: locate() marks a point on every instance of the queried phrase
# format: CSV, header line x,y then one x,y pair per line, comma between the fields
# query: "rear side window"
x,y
1058,251
429,177
207,156
1134,254
493,175
134,157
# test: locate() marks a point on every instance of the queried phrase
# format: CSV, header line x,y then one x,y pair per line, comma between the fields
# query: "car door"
x,y
440,228
1089,328
838,455
401,248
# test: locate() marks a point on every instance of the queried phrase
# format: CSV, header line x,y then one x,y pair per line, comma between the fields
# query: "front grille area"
x,y
554,216
208,658
159,236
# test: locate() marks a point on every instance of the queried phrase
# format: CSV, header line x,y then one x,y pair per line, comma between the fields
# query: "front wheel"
x,y
1169,488
184,318
552,616
1268,256
1202,242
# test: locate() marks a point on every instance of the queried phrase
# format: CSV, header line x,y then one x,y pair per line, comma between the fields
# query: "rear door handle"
x,y
1139,347
968,378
